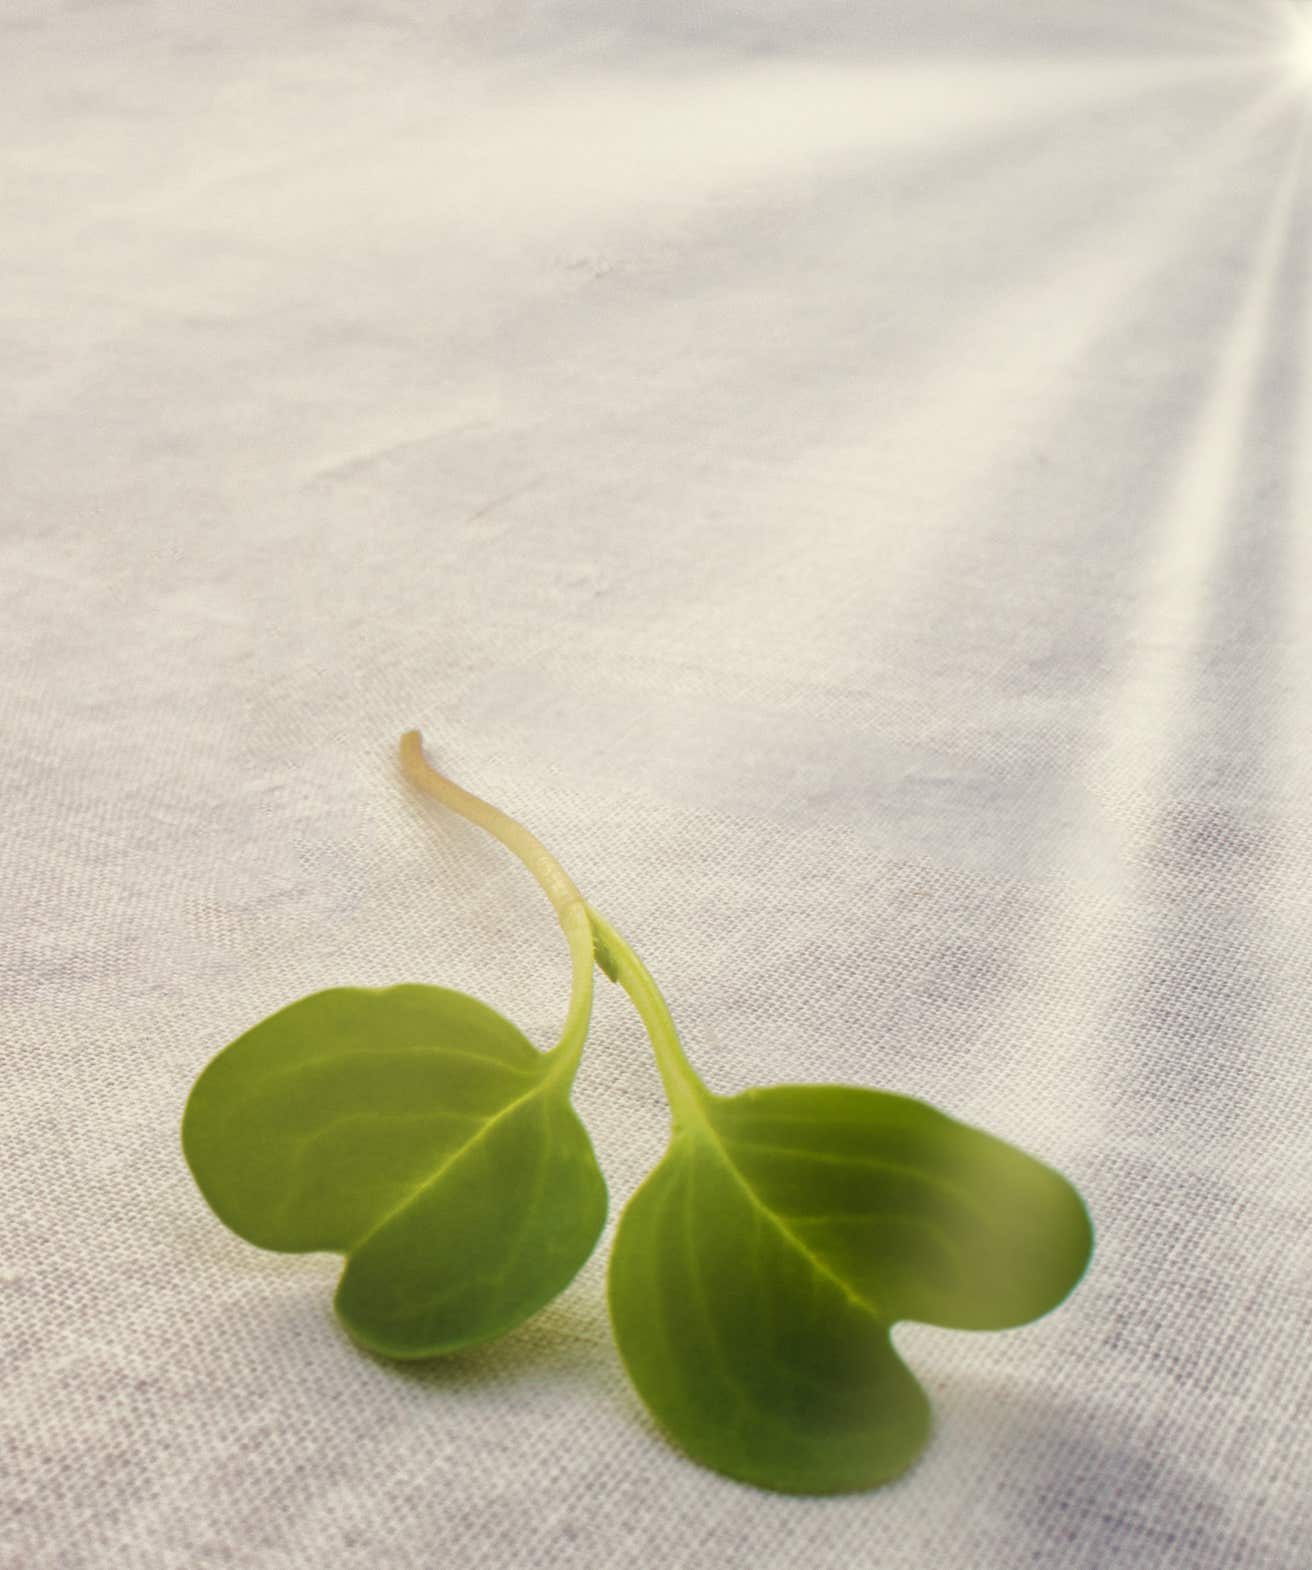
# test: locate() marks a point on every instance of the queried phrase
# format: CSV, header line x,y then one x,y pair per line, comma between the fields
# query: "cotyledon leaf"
x,y
418,1132
757,1272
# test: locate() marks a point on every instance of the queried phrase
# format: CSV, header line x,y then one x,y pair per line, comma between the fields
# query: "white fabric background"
x,y
841,474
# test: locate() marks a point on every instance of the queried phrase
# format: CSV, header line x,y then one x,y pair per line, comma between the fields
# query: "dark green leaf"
x,y
757,1272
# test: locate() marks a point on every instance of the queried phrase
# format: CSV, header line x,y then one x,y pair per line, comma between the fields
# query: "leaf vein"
x,y
871,1163
857,1299
456,1155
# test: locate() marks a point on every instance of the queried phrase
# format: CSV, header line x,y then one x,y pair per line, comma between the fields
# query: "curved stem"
x,y
684,1091
556,883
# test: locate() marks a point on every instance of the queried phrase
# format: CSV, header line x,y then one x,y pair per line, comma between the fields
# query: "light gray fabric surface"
x,y
841,474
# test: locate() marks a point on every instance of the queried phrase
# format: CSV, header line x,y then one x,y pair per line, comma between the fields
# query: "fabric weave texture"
x,y
840,475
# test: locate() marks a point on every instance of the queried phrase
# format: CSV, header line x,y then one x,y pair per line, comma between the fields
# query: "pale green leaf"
x,y
416,1131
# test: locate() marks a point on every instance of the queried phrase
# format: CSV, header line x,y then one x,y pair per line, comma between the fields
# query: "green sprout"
x,y
755,1274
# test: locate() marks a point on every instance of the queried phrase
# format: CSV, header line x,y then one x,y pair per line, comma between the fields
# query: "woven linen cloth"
x,y
841,474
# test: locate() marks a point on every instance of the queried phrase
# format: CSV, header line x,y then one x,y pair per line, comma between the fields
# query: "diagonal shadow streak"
x,y
1060,247
1223,20
1214,829
1036,605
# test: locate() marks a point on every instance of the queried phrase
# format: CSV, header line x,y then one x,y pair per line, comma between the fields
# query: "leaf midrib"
x,y
708,1130
543,1073
456,1155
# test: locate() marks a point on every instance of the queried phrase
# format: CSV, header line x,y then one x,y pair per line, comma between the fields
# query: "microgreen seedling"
x,y
756,1273
416,1131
